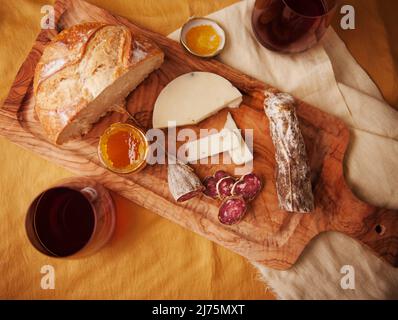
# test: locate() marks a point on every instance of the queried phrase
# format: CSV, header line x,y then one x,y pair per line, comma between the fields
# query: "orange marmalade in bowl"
x,y
123,148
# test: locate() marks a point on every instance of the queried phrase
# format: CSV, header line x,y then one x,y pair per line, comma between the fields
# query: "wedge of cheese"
x,y
193,97
211,145
242,153
229,139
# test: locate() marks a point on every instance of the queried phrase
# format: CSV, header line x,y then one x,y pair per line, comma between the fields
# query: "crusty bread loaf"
x,y
87,71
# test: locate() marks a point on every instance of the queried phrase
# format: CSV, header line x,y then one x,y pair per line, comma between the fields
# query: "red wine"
x,y
63,221
310,8
291,25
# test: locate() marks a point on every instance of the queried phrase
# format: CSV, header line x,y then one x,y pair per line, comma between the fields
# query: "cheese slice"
x,y
228,140
193,97
211,145
242,153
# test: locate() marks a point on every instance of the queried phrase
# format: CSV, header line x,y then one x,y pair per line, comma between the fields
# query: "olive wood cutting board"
x,y
266,235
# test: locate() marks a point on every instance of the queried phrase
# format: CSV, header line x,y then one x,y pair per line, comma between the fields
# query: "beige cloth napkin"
x,y
328,77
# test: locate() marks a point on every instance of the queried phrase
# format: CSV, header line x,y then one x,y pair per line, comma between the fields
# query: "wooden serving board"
x,y
267,235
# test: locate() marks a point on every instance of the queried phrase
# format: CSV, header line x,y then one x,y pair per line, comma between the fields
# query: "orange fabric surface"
x,y
149,257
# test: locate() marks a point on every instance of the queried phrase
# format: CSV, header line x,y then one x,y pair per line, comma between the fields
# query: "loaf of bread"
x,y
293,177
87,71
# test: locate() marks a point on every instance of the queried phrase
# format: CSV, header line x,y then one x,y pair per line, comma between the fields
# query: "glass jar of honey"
x,y
123,148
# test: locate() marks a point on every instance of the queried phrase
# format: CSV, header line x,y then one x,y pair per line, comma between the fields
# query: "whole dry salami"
x,y
210,184
232,210
293,181
248,186
224,187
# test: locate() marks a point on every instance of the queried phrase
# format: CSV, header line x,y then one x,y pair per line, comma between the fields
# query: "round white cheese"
x,y
193,97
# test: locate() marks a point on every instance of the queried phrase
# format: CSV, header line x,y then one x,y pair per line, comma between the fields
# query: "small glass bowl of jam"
x,y
123,148
202,37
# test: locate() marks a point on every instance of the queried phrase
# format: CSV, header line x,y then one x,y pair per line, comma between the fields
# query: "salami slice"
x,y
189,195
232,210
220,174
210,184
248,186
224,187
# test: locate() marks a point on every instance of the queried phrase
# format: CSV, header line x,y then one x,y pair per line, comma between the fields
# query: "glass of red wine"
x,y
73,219
291,26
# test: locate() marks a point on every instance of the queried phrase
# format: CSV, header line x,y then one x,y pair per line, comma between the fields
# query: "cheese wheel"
x,y
193,97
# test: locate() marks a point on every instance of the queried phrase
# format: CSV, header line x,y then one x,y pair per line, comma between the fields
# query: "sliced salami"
x,y
224,187
210,184
248,186
232,210
189,195
220,174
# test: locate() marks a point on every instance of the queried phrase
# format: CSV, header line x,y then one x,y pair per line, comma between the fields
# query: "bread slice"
x,y
87,71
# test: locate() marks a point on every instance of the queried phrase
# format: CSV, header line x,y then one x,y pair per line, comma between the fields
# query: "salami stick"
x,y
293,182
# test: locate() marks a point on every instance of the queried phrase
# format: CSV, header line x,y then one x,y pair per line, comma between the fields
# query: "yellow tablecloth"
x,y
149,257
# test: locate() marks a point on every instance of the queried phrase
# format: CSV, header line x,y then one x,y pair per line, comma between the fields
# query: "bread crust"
x,y
78,65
